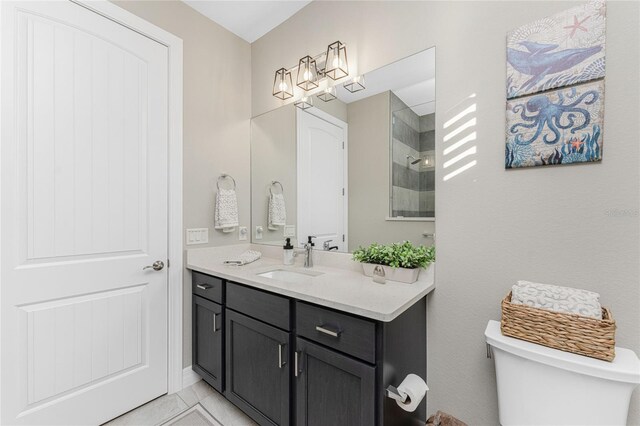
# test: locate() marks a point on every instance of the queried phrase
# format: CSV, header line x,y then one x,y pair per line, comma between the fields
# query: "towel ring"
x,y
274,183
224,176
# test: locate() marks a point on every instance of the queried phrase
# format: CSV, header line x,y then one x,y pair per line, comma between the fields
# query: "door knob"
x,y
157,266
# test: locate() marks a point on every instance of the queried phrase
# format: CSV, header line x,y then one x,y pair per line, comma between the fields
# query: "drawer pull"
x,y
203,286
325,330
280,363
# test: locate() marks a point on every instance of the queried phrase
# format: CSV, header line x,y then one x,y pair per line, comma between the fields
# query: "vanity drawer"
x,y
348,334
207,286
259,304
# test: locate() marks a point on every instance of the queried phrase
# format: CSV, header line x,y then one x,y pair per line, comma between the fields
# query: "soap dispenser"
x,y
288,253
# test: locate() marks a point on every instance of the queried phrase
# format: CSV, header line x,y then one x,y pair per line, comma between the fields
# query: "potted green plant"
x,y
400,261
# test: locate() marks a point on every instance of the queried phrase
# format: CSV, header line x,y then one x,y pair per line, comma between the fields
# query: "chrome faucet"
x,y
308,252
326,246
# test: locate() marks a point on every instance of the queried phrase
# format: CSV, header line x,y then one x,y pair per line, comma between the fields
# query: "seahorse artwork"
x,y
563,49
556,127
555,88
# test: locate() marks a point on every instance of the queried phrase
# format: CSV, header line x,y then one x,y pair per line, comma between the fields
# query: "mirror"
x,y
351,171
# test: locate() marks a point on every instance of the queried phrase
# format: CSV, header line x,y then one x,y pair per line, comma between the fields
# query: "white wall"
x,y
217,110
495,226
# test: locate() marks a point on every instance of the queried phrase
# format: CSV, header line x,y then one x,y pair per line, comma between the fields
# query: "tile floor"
x,y
168,406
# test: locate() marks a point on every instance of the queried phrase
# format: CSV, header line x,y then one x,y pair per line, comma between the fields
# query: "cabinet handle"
x,y
280,363
295,364
203,286
323,329
215,327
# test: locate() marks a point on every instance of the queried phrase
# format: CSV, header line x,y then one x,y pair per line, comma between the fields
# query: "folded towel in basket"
x,y
443,419
277,211
244,258
556,298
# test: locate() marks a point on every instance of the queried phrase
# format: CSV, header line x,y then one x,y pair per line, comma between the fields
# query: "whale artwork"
x,y
555,89
563,49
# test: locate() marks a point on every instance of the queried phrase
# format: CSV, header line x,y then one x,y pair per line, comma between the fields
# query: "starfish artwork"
x,y
577,25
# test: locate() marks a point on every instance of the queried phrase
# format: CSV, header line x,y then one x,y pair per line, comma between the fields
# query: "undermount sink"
x,y
289,276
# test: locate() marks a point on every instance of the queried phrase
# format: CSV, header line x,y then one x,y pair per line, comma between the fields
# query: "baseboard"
x,y
189,377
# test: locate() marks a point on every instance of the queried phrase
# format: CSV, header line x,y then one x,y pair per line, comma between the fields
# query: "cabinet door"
x,y
331,388
257,369
208,324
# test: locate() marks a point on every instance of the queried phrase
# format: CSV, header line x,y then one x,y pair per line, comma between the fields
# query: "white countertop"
x,y
341,286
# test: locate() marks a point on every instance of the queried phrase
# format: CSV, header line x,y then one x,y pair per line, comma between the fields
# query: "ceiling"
x,y
248,19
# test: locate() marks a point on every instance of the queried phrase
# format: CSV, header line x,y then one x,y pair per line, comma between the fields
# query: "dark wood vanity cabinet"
x,y
258,369
208,329
332,388
288,362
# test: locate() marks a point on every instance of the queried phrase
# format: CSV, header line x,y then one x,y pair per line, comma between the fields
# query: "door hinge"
x,y
343,192
343,238
168,263
342,144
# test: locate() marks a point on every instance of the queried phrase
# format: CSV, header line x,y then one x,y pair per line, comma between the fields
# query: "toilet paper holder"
x,y
394,393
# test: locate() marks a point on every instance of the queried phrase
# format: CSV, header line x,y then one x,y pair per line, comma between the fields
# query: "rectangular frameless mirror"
x,y
353,170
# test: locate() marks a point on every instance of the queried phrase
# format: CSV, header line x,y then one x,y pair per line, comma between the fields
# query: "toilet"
x,y
538,385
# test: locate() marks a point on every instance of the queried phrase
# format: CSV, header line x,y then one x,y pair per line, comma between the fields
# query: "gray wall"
x,y
369,178
273,157
571,225
217,108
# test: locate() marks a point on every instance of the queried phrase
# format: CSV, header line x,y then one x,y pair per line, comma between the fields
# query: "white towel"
x,y
556,298
244,258
226,211
277,211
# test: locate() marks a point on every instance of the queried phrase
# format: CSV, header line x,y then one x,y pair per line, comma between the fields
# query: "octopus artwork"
x,y
557,127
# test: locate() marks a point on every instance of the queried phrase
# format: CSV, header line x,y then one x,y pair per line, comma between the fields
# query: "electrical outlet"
x,y
197,236
259,232
242,233
289,231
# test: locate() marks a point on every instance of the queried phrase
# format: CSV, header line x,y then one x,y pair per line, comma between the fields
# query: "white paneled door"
x,y
322,188
83,209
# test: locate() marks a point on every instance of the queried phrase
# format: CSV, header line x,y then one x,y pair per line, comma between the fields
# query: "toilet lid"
x,y
624,368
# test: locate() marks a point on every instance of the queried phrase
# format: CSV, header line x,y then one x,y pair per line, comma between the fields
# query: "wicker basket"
x,y
568,332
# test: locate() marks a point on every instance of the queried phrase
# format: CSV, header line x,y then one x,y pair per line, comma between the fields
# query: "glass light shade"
x,y
355,85
307,73
336,66
304,102
283,84
328,94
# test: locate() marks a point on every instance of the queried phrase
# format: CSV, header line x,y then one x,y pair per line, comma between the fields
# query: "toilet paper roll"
x,y
415,388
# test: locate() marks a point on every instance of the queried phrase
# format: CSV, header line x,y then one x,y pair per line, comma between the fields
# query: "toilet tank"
x,y
543,386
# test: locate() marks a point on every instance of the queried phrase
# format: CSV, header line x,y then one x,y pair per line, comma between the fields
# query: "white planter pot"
x,y
404,275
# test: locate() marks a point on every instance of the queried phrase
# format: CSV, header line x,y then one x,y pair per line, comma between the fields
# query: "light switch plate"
x,y
197,236
259,232
242,233
289,231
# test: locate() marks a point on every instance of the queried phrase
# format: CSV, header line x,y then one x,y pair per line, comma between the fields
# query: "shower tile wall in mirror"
x,y
356,170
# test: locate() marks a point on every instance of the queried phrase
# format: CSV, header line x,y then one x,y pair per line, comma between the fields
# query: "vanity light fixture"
x,y
356,84
304,102
337,65
328,94
283,84
307,73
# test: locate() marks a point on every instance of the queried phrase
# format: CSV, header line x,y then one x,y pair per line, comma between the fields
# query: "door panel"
x,y
257,377
333,389
208,330
84,208
321,181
